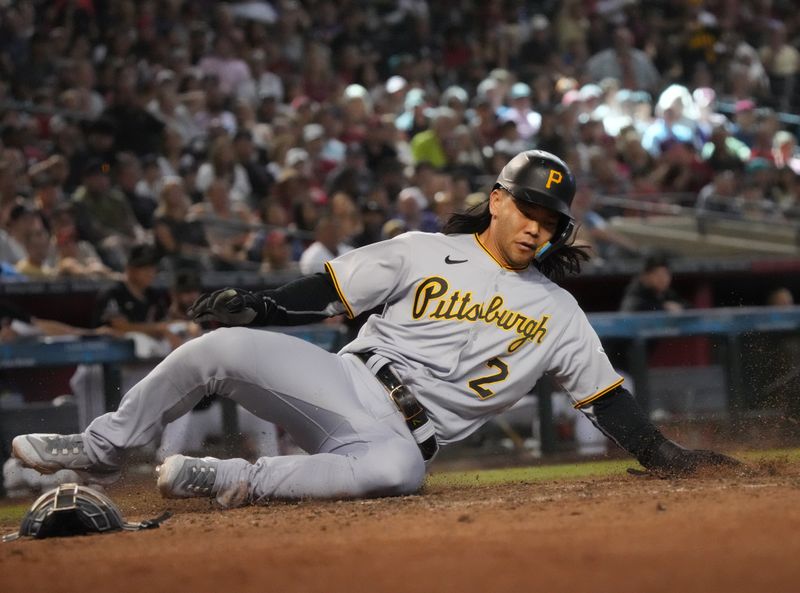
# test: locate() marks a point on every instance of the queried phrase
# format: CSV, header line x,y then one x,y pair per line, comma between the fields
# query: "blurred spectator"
x,y
744,121
173,160
258,176
132,304
184,290
47,192
754,204
22,220
345,215
780,297
181,240
222,165
593,230
413,209
167,107
782,63
509,141
227,224
223,63
521,113
651,289
483,122
723,151
680,171
784,151
746,75
373,215
100,147
672,122
276,253
130,180
430,146
720,196
135,129
149,185
326,246
631,66
262,83
353,177
103,215
73,257
35,264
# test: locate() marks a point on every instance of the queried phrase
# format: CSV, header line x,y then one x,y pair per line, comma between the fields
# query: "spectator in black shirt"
x,y
133,305
651,289
181,240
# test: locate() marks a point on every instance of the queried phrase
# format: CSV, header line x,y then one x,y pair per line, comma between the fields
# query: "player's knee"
x,y
225,345
401,471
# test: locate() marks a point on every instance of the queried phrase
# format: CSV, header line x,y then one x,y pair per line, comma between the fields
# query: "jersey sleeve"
x,y
372,275
580,364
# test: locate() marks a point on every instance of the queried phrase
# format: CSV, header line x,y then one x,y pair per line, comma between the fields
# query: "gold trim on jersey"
x,y
499,263
587,400
434,299
338,288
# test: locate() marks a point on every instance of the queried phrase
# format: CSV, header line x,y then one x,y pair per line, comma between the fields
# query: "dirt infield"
x,y
618,534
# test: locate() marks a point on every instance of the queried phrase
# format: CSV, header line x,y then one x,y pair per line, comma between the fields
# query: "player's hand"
x,y
228,306
671,460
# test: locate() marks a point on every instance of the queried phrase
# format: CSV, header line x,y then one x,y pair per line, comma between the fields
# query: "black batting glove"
x,y
229,306
670,460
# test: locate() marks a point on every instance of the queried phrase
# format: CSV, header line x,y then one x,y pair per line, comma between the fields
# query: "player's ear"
x,y
494,201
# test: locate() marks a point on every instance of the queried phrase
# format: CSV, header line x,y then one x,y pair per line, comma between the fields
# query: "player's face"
x,y
518,229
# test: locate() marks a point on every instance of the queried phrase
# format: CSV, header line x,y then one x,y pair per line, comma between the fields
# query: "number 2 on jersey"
x,y
479,385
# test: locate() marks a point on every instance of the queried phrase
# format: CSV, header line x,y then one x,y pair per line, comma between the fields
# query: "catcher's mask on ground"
x,y
71,509
541,178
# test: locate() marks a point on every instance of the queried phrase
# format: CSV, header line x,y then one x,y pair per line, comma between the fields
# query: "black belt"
x,y
415,415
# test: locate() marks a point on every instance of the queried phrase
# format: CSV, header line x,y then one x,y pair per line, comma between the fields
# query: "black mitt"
x,y
229,306
670,460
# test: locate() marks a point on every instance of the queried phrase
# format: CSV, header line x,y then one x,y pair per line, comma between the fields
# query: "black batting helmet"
x,y
541,178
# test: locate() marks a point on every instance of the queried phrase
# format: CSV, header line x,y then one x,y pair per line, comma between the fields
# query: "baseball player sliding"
x,y
471,320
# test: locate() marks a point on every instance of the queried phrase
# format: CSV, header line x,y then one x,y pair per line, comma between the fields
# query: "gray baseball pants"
x,y
331,405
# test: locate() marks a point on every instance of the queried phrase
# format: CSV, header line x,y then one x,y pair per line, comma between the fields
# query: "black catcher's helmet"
x,y
71,509
541,178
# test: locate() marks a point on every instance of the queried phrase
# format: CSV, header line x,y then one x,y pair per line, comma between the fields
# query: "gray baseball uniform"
x,y
467,335
470,336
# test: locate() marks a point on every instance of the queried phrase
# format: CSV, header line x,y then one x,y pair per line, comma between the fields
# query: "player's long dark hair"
x,y
567,259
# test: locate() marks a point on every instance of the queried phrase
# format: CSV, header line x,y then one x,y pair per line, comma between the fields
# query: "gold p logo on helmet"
x,y
553,177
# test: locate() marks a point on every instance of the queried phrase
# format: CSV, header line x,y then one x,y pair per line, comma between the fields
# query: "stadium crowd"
x,y
273,136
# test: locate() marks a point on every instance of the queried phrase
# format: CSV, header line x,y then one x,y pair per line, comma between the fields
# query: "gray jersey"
x,y
468,335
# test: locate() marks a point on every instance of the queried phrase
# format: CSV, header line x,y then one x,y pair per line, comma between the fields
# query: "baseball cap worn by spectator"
x,y
395,84
312,132
96,167
143,256
519,90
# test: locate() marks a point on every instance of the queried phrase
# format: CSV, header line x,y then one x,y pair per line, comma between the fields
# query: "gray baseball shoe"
x,y
188,477
50,453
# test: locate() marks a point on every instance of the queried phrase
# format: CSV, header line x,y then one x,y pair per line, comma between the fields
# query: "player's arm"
x,y
306,300
620,418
